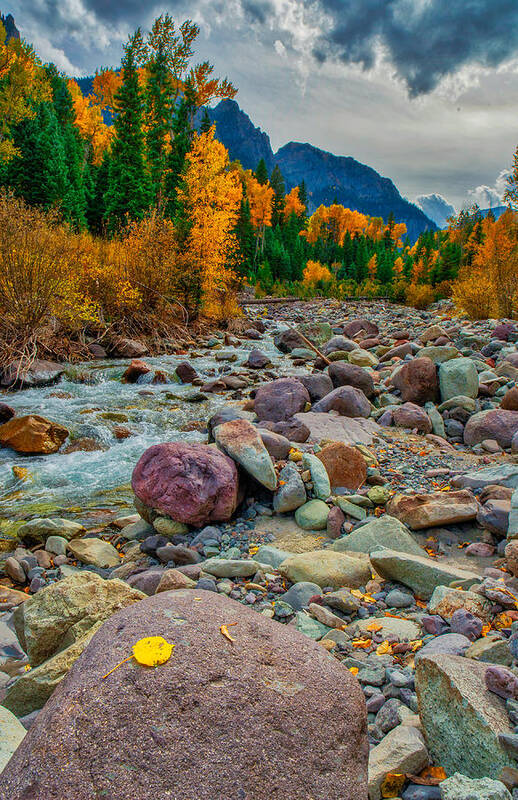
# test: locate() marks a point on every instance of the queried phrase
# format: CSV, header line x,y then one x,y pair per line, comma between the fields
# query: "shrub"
x,y
419,295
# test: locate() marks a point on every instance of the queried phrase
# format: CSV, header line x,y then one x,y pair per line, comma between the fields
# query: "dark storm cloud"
x,y
425,40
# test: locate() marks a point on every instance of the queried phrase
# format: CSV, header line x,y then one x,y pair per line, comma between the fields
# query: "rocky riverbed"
x,y
320,512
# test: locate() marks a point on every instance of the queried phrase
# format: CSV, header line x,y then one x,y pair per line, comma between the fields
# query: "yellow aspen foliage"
x,y
332,223
293,204
372,267
211,196
398,267
89,121
315,271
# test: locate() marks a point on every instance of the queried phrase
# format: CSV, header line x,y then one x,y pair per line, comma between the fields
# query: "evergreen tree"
x,y
303,193
129,190
245,237
261,173
206,124
159,115
279,189
182,138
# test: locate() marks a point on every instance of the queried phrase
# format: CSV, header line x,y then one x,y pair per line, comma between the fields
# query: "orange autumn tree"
x,y
315,271
372,267
260,197
89,121
293,204
333,223
210,199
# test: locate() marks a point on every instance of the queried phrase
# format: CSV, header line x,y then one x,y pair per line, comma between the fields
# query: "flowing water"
x,y
90,401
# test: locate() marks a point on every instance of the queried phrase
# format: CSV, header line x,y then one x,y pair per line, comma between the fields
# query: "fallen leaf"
x,y
383,649
152,651
363,644
354,670
224,631
393,784
430,776
374,626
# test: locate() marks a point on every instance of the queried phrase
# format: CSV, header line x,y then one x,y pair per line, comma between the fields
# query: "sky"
x,y
424,91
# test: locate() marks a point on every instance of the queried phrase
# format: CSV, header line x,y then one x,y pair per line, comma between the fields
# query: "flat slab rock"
x,y
349,430
266,717
419,573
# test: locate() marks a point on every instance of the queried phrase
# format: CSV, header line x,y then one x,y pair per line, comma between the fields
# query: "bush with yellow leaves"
x,y
419,295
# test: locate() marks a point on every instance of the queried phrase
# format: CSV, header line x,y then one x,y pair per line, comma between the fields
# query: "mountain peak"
x,y
10,27
241,137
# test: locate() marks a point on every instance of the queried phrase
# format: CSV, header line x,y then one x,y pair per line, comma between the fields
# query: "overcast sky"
x,y
424,91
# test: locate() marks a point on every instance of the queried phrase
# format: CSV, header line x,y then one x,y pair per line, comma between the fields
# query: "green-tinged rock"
x,y
63,612
435,418
95,552
469,404
326,568
167,527
309,626
378,495
350,509
268,554
458,377
11,734
462,720
402,629
312,516
402,750
241,441
445,601
490,649
35,531
32,689
438,354
362,358
460,787
499,475
317,332
420,574
386,531
291,493
56,545
319,476
230,567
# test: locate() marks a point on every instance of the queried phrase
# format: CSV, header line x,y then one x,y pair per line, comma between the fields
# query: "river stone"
x,y
386,531
402,629
491,649
35,531
402,750
63,612
291,493
312,516
438,354
242,442
437,509
230,567
39,373
461,718
33,688
345,465
351,375
310,627
11,734
32,435
410,415
417,381
94,552
278,446
280,400
57,545
499,475
299,595
458,376
459,787
326,568
318,385
191,483
319,476
445,601
420,574
496,424
268,554
339,429
214,703
494,516
346,401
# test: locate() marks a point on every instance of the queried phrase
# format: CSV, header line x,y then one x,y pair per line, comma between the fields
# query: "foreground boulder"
x,y
40,373
428,510
420,574
32,435
345,465
326,568
191,483
280,400
200,725
496,424
242,442
417,381
462,720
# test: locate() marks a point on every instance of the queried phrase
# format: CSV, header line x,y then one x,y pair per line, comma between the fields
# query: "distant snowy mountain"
x,y
436,207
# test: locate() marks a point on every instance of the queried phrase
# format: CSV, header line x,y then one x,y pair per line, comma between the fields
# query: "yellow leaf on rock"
x,y
152,651
383,649
374,626
353,670
393,784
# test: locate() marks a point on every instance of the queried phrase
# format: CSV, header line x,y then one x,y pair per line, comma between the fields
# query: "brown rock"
x,y
350,375
318,385
257,718
429,510
172,579
347,401
417,381
432,333
39,373
497,424
411,416
186,372
278,446
345,465
335,520
7,413
280,400
10,598
511,554
33,435
127,348
354,327
135,370
510,400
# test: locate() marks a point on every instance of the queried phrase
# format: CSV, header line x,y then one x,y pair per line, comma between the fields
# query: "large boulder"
x,y
350,375
344,464
402,750
419,573
417,381
360,326
32,435
62,613
11,734
410,415
497,424
326,568
349,430
436,509
346,400
458,376
280,400
39,373
386,531
200,724
191,483
242,442
462,720
318,385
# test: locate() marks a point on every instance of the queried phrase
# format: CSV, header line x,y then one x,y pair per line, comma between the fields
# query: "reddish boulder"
x,y
497,424
503,331
127,348
33,435
511,554
292,429
318,385
354,327
191,483
135,370
344,464
186,372
40,373
7,413
419,511
510,400
417,381
350,375
280,399
259,717
348,401
411,416
400,351
278,446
